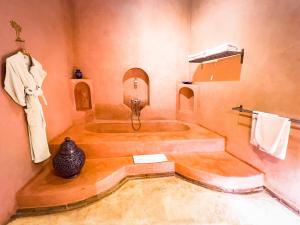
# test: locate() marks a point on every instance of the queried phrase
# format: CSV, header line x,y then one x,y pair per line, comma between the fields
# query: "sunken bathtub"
x,y
126,127
111,138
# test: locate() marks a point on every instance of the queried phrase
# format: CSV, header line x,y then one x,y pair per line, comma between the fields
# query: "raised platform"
x,y
194,153
180,138
218,170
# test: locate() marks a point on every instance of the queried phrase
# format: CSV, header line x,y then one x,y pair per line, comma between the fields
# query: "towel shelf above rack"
x,y
241,109
221,55
222,51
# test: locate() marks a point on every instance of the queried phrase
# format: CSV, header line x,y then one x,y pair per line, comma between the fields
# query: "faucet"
x,y
136,106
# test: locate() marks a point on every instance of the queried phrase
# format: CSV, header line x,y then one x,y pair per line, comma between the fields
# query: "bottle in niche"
x,y
78,74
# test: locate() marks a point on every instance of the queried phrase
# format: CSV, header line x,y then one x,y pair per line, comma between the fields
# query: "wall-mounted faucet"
x,y
135,83
136,107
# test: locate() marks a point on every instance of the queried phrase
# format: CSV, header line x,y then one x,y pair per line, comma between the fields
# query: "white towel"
x,y
270,133
152,158
213,51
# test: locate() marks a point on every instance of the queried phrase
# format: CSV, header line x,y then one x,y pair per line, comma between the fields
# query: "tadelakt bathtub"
x,y
116,138
126,127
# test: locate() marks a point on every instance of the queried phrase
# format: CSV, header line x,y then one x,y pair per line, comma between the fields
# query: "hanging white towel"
x,y
270,133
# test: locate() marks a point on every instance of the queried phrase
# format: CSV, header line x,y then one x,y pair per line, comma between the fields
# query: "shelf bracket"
x,y
242,55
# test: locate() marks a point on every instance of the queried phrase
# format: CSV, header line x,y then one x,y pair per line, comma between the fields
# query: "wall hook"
x,y
18,30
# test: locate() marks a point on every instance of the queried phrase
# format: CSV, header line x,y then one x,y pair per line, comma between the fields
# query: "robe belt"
x,y
37,92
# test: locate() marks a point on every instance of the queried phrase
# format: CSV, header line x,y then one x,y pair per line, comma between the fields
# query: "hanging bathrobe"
x,y
23,83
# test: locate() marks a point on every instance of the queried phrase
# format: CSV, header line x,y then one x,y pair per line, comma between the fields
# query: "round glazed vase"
x,y
69,160
78,74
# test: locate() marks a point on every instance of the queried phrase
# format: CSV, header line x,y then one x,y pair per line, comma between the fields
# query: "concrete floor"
x,y
171,200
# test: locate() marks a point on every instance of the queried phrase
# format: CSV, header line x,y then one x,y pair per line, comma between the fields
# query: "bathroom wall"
x,y
269,81
114,36
47,31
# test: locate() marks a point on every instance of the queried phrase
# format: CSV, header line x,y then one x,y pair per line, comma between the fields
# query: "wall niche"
x,y
186,99
83,106
186,109
82,95
136,85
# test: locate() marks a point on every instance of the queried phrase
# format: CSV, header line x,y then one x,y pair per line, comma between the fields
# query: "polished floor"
x,y
173,201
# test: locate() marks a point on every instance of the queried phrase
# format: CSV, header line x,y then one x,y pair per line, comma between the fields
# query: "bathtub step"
x,y
47,192
219,170
153,158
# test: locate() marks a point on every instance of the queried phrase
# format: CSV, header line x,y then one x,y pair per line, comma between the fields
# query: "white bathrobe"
x,y
23,84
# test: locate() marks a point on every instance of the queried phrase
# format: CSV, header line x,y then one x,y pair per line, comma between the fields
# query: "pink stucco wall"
x,y
114,36
269,32
47,31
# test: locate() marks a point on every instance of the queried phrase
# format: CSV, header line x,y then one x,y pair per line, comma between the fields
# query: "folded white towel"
x,y
152,158
270,133
213,51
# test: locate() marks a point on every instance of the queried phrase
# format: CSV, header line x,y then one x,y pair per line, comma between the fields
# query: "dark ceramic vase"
x,y
69,160
78,74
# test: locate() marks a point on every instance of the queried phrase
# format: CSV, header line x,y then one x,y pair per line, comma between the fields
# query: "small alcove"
x,y
187,102
82,95
186,99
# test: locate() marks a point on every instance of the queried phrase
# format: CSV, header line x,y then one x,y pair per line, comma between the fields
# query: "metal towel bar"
x,y
241,109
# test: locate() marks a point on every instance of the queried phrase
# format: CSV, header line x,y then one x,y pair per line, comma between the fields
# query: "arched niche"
x,y
136,85
82,95
186,99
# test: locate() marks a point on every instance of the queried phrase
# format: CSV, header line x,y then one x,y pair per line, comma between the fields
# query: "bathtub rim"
x,y
188,125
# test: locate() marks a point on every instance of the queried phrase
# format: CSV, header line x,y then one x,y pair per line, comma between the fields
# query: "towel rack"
x,y
241,109
224,54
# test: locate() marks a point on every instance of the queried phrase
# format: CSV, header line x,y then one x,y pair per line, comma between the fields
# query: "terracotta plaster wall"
x,y
113,36
269,32
47,31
